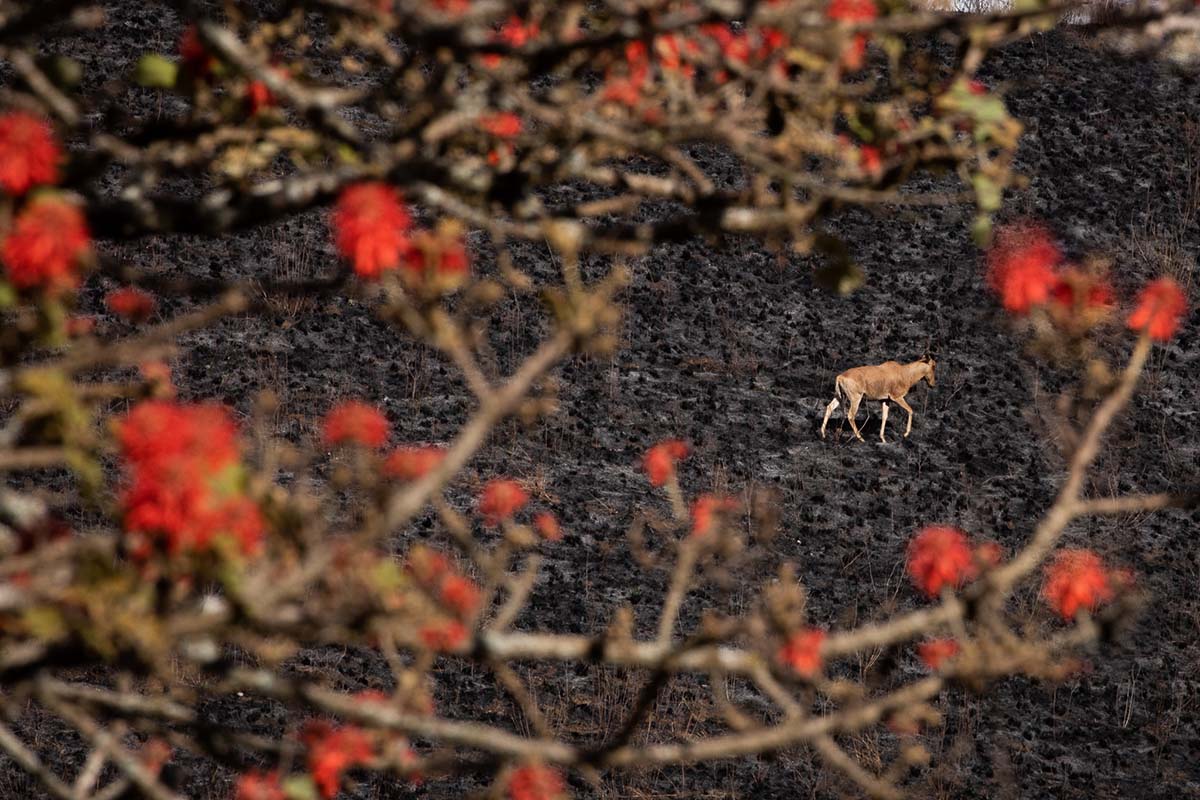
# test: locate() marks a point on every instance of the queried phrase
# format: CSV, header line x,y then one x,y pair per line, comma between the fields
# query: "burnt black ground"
x,y
736,351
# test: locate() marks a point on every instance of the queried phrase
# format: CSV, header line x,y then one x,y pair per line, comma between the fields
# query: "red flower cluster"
x,y
258,97
332,750
515,32
131,303
256,785
536,782
1074,580
47,244
438,576
802,652
502,124
1021,267
546,524
659,461
371,225
412,463
444,635
197,61
184,470
937,651
29,152
940,556
853,12
1161,306
501,498
438,259
706,509
355,422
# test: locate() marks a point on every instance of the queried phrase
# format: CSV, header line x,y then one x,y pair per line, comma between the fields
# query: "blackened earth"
x,y
736,351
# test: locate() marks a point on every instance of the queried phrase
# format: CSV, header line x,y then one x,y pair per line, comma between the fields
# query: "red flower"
x,y
80,325
427,565
29,152
454,7
547,526
258,97
182,463
46,245
1161,306
852,11
1076,579
444,636
332,751
1077,290
196,59
412,463
659,461
131,303
355,422
1021,267
936,651
705,510
802,652
503,124
460,595
157,374
536,782
255,785
371,226
940,556
514,33
437,259
989,554
870,160
500,500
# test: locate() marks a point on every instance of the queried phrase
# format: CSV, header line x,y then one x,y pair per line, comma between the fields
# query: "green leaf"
x,y
155,71
66,73
981,230
988,195
299,787
45,623
8,295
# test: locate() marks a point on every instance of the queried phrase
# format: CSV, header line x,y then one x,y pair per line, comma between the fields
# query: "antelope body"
x,y
887,381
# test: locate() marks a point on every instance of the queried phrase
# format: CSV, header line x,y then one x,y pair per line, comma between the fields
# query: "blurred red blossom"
x,y
131,303
256,785
503,124
460,595
29,152
411,463
536,782
659,461
546,524
332,750
1074,580
935,652
802,652
940,556
1160,307
371,225
444,636
500,499
197,61
46,246
705,510
355,422
1021,267
182,461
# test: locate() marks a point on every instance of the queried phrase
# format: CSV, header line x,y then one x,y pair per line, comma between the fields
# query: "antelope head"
x,y
928,375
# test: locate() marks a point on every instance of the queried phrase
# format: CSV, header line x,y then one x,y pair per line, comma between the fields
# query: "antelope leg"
x,y
883,425
851,413
829,409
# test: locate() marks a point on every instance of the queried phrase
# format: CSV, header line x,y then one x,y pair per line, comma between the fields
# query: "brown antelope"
x,y
887,381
